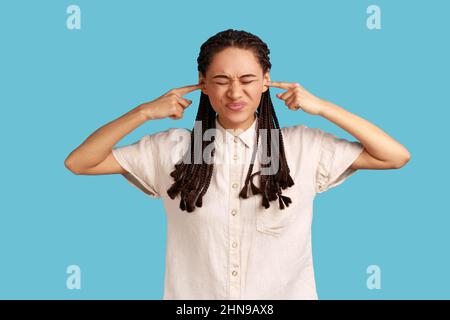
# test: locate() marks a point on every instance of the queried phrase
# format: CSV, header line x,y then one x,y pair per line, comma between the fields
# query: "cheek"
x,y
216,90
215,98
255,89
255,92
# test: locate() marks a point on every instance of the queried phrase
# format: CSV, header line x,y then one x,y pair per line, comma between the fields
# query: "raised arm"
x,y
94,156
381,151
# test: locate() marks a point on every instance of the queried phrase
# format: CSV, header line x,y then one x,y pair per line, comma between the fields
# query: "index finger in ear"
x,y
283,85
184,90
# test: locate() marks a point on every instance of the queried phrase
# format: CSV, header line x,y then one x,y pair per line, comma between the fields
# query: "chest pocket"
x,y
275,221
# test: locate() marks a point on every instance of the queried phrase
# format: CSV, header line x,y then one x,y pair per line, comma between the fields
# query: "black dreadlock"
x,y
192,179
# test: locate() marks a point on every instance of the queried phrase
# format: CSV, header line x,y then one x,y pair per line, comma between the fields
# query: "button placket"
x,y
234,226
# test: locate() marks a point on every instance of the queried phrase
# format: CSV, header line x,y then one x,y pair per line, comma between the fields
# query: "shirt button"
x,y
235,157
235,185
235,139
234,273
233,212
234,244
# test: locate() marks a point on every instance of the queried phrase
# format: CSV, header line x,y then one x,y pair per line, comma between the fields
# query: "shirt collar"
x,y
247,136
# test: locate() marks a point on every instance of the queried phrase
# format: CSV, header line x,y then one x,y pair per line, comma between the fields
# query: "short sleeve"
x,y
140,160
334,160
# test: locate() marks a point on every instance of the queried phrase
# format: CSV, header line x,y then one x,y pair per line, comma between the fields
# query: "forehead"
x,y
234,62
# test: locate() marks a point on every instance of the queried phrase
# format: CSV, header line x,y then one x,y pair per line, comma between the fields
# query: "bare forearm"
x,y
99,144
379,144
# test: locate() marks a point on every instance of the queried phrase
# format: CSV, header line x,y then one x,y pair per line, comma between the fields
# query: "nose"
x,y
234,89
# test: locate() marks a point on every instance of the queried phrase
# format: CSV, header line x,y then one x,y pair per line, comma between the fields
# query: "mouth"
x,y
236,106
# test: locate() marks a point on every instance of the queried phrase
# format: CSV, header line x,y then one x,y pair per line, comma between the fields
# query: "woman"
x,y
238,199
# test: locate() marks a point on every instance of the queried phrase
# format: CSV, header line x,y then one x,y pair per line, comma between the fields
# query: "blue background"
x,y
59,85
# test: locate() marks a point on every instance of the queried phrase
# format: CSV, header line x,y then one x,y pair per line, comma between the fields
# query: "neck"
x,y
239,126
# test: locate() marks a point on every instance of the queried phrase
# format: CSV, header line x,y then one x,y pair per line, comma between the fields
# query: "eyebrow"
x,y
226,77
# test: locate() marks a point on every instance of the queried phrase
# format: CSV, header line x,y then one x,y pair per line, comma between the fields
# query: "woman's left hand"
x,y
296,97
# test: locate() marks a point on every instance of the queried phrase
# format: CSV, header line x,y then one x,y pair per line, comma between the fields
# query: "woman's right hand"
x,y
170,104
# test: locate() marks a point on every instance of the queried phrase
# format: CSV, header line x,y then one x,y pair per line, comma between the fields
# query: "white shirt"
x,y
233,248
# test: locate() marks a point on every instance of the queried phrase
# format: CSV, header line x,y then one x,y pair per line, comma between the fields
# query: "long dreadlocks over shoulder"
x,y
192,179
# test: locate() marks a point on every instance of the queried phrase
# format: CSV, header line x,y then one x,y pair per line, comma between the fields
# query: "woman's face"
x,y
234,75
